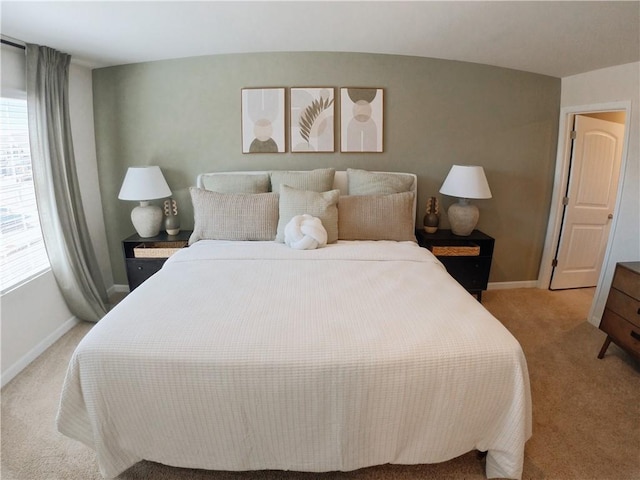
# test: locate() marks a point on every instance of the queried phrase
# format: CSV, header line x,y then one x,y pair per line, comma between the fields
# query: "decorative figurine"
x,y
171,221
432,217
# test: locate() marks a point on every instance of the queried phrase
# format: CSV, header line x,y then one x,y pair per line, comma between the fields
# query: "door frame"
x,y
561,180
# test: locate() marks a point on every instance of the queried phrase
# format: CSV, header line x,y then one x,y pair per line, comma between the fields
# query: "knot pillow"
x,y
304,232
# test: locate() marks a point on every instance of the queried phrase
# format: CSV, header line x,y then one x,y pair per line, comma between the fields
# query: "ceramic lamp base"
x,y
463,217
147,219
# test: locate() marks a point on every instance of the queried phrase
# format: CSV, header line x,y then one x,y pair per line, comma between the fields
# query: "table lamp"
x,y
465,182
143,184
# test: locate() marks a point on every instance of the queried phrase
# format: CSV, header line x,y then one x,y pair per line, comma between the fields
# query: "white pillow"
x,y
305,232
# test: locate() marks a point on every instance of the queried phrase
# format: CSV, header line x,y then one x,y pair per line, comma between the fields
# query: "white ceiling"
x,y
546,37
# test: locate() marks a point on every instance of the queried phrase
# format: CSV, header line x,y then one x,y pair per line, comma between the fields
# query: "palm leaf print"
x,y
310,115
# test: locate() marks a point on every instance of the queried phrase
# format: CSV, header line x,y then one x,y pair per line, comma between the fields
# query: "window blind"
x,y
22,251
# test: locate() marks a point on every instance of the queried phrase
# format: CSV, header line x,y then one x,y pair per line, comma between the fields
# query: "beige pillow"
x,y
363,182
236,183
319,180
233,216
376,217
317,204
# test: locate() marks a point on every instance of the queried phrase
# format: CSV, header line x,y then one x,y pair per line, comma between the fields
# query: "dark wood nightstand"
x,y
467,259
145,256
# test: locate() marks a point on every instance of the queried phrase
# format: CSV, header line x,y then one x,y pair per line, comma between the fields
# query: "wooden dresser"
x,y
621,317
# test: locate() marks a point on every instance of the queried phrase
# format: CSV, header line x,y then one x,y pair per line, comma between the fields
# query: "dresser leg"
x,y
605,345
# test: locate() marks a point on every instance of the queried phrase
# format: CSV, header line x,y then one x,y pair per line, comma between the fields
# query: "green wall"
x,y
184,115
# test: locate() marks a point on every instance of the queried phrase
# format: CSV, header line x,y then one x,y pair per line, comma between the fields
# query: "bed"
x,y
246,354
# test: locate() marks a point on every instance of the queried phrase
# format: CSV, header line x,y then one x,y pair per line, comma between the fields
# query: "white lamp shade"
x,y
144,183
466,182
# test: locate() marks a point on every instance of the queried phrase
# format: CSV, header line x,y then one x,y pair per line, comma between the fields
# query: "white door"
x,y
591,195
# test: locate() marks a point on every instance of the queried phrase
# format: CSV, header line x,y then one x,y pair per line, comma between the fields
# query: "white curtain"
x,y
64,228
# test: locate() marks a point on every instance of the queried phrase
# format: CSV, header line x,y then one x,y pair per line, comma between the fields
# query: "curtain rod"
x,y
17,45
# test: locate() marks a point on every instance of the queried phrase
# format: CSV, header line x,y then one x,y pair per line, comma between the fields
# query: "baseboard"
x,y
38,350
508,285
117,288
595,321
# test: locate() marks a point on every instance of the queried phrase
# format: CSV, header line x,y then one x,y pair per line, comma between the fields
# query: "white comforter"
x,y
251,355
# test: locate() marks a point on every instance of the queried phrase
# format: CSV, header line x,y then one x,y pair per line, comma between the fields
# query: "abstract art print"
x,y
361,119
263,120
312,119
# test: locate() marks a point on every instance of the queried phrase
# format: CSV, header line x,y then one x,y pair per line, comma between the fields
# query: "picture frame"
x,y
361,119
263,120
312,119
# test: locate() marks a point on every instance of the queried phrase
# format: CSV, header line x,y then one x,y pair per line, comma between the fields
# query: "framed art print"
x,y
263,120
361,119
312,119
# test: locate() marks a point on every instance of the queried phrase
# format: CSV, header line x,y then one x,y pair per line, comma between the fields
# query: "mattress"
x,y
250,355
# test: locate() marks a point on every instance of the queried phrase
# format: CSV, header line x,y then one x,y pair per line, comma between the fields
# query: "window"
x,y
22,252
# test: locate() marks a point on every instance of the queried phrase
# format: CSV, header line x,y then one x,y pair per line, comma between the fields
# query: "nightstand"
x,y
145,256
467,259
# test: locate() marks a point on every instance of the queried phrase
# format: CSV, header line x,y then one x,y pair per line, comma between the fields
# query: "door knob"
x,y
610,216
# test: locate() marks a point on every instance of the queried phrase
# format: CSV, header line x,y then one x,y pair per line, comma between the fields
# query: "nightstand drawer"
x,y
470,272
624,333
139,270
